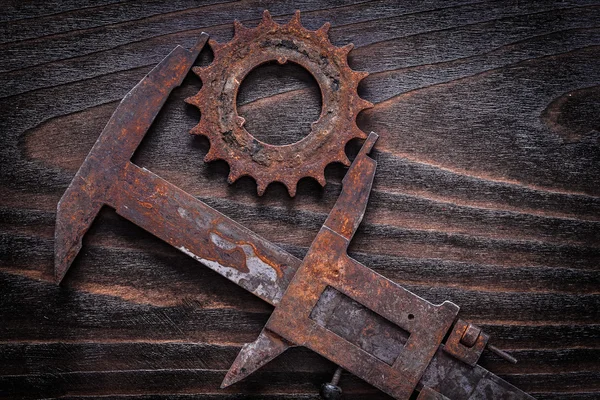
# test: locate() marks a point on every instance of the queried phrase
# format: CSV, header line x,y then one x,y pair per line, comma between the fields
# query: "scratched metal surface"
x,y
486,192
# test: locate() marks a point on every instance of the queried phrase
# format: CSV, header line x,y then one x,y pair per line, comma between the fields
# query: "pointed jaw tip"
x,y
199,45
65,251
60,270
61,262
224,385
230,379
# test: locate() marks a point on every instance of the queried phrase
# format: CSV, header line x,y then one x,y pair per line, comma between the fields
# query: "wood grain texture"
x,y
487,191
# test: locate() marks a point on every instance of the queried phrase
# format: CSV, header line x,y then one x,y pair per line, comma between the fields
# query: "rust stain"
x,y
145,204
228,256
239,243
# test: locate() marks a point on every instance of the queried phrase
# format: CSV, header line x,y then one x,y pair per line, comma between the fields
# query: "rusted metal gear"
x,y
246,155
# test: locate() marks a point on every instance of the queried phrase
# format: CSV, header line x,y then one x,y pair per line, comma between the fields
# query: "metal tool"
x,y
221,124
360,320
107,177
392,331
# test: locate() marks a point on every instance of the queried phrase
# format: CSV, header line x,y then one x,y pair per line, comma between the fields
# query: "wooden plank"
x,y
487,191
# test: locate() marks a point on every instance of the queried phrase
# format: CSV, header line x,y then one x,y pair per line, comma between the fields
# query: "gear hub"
x,y
221,124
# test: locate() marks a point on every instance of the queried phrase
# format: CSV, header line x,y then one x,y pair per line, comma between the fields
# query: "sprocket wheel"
x,y
221,124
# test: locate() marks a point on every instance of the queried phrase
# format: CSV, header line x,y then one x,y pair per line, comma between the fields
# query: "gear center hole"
x,y
279,103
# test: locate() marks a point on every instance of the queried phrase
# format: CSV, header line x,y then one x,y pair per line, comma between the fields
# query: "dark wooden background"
x,y
487,192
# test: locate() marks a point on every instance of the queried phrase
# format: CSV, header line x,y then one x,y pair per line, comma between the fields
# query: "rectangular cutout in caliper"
x,y
359,325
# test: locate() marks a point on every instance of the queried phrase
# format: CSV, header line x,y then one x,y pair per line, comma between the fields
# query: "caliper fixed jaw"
x,y
98,181
107,177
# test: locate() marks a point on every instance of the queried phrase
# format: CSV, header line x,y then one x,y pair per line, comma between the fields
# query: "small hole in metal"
x,y
410,316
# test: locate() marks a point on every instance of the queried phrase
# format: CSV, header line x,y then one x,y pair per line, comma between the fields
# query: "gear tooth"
x,y
261,186
355,133
291,187
321,179
295,21
344,50
197,99
191,100
238,28
361,74
202,130
267,19
324,31
209,158
215,46
343,158
365,104
203,73
358,133
212,154
233,176
197,130
199,71
193,131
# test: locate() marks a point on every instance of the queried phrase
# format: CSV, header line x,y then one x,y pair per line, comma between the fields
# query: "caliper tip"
x,y
199,45
66,247
369,142
60,270
254,355
230,379
75,213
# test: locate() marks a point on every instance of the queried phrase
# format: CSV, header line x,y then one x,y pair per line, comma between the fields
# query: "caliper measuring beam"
x,y
328,302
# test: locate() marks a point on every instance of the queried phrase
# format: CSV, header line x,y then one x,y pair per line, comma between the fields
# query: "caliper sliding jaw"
x,y
328,271
329,302
328,275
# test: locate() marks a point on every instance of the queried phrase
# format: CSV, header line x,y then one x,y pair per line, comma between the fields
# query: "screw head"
x,y
330,391
470,335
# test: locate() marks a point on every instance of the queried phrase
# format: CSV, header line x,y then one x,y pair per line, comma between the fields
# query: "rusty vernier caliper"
x,y
330,303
